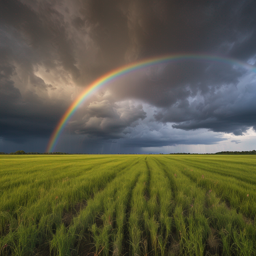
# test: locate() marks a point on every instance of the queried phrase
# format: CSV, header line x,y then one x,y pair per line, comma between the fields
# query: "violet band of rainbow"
x,y
110,76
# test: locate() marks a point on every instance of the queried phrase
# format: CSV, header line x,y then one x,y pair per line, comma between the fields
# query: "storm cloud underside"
x,y
51,50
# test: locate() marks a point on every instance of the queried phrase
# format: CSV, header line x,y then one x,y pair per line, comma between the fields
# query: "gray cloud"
x,y
230,109
107,120
51,50
236,141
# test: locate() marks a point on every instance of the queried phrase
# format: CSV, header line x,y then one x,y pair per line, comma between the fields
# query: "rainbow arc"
x,y
116,73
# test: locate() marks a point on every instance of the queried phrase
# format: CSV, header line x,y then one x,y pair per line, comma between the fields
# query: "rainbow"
x,y
110,76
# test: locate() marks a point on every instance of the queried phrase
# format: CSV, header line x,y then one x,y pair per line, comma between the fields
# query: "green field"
x,y
128,205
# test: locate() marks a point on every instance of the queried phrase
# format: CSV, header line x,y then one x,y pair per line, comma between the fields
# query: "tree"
x,y
20,152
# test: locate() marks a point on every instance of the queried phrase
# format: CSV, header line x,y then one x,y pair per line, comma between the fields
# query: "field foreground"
x,y
127,205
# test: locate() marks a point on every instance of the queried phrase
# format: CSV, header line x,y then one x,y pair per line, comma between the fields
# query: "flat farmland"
x,y
127,205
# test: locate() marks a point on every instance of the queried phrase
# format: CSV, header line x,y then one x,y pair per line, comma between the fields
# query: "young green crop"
x,y
127,205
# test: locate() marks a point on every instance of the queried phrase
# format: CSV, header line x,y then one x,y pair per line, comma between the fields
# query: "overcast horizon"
x,y
50,51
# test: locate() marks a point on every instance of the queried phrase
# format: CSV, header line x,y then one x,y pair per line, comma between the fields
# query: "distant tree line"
x,y
237,152
179,153
22,152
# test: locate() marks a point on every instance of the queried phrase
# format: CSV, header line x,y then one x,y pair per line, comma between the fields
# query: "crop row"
x,y
127,205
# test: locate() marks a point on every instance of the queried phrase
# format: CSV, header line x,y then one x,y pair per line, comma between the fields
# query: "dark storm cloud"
x,y
7,90
110,30
43,30
229,108
49,46
22,120
107,120
26,115
28,40
161,142
163,87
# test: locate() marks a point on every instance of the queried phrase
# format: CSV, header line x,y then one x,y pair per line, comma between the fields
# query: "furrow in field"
x,y
44,180
31,176
46,219
207,211
216,177
78,187
123,212
170,176
147,184
108,237
223,164
135,219
152,210
127,245
132,205
158,219
190,227
237,160
228,222
248,179
219,197
64,240
233,194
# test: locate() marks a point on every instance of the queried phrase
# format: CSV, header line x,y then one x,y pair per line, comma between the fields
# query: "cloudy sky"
x,y
51,50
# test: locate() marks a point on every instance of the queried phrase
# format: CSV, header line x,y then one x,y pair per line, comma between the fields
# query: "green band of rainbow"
x,y
110,76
